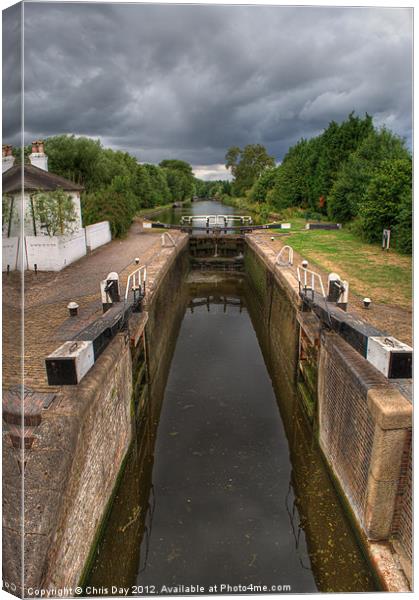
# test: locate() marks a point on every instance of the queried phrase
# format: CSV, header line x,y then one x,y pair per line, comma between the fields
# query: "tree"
x,y
180,178
75,158
10,213
160,191
338,141
247,165
55,211
109,204
403,227
311,167
387,201
355,175
263,185
177,165
291,186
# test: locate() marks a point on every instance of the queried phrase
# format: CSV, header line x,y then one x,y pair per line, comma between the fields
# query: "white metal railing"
x,y
307,279
290,260
171,239
136,282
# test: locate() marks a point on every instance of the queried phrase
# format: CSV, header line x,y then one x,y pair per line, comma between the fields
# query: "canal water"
x,y
235,491
172,216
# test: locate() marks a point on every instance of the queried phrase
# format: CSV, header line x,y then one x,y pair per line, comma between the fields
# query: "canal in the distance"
x,y
172,216
236,494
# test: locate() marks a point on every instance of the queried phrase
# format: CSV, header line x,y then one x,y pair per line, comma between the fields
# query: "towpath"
x,y
46,320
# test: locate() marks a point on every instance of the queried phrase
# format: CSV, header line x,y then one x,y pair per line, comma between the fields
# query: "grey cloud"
x,y
189,81
12,69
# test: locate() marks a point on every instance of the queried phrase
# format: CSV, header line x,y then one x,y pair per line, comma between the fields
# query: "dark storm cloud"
x,y
189,81
12,70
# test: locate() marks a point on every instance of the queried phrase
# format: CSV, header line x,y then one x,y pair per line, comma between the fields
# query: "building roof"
x,y
35,179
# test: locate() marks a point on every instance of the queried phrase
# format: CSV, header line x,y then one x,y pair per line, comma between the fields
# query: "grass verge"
x,y
385,276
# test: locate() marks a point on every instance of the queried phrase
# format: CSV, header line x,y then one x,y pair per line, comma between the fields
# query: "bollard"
x,y
333,290
367,302
343,298
73,308
110,290
337,291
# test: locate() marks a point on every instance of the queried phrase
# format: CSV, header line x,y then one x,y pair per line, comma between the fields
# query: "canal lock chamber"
x,y
225,483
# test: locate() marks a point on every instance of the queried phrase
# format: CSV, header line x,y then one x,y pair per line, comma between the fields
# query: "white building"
x,y
39,250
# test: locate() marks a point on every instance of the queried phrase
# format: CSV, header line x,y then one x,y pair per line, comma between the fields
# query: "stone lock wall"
x,y
275,320
364,424
362,421
104,434
106,427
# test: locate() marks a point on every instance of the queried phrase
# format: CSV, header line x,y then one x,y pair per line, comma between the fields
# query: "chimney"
x,y
8,158
38,157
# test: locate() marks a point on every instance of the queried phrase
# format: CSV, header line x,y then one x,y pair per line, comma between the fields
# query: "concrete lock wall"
x,y
362,422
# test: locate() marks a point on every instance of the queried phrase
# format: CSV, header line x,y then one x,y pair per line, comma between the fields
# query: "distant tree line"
x,y
116,185
213,189
352,172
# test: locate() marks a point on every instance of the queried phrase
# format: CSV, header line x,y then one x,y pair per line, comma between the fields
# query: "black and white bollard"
x,y
367,302
110,291
337,291
73,308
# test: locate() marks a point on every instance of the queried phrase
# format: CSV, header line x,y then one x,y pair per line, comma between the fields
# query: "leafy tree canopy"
x,y
247,165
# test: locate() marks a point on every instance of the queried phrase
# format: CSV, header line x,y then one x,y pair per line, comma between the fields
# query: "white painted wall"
x,y
98,234
54,253
10,247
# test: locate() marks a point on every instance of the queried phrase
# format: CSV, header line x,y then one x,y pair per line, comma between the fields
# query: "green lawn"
x,y
370,271
386,275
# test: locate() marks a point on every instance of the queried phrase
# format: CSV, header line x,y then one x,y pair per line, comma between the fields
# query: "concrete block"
x,y
389,409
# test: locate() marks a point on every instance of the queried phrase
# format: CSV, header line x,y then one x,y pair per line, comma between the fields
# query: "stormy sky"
x,y
189,81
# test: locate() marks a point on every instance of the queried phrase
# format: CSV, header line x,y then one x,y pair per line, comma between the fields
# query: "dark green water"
x,y
235,491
